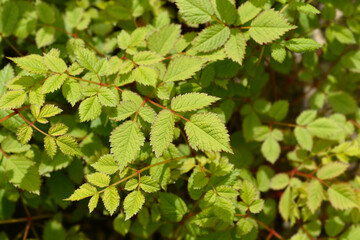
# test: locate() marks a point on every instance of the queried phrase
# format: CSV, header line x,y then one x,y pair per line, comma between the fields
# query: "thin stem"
x,y
144,169
355,123
32,124
13,47
3,152
161,106
13,113
270,230
296,172
243,27
25,219
285,124
84,80
261,55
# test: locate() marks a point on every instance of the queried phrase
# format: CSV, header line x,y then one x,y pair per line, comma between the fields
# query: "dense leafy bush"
x,y
179,119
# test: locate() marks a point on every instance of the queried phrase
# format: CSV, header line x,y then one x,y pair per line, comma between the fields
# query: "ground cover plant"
x,y
179,119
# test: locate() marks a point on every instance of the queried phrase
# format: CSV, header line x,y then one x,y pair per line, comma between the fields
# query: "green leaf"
x,y
162,131
278,53
323,128
98,179
120,225
304,138
89,109
36,96
71,90
45,36
47,111
342,102
248,192
31,63
45,12
332,170
224,209
271,149
342,34
195,11
146,76
306,117
9,13
53,83
126,141
124,110
160,172
24,133
279,181
192,101
147,58
285,204
248,10
93,202
315,195
58,129
305,8
23,173
50,146
111,199
12,99
6,74
148,184
342,196
244,226
132,184
235,46
133,203
86,59
68,145
123,39
302,45
106,164
211,38
182,68
200,180
334,226
163,41
269,26
53,230
172,207
147,114
85,190
256,206
279,110
107,97
225,10
206,132
20,82
54,63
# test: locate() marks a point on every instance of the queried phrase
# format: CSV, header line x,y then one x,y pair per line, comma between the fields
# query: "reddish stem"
x,y
161,106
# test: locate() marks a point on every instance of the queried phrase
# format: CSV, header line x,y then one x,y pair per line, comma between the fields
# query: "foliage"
x,y
180,119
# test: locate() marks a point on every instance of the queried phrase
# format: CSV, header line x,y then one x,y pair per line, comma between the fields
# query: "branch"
x,y
144,169
161,106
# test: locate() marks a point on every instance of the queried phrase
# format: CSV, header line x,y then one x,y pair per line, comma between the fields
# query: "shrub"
x,y
179,119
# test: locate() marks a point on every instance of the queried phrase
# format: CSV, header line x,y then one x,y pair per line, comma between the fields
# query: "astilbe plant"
x,y
179,119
